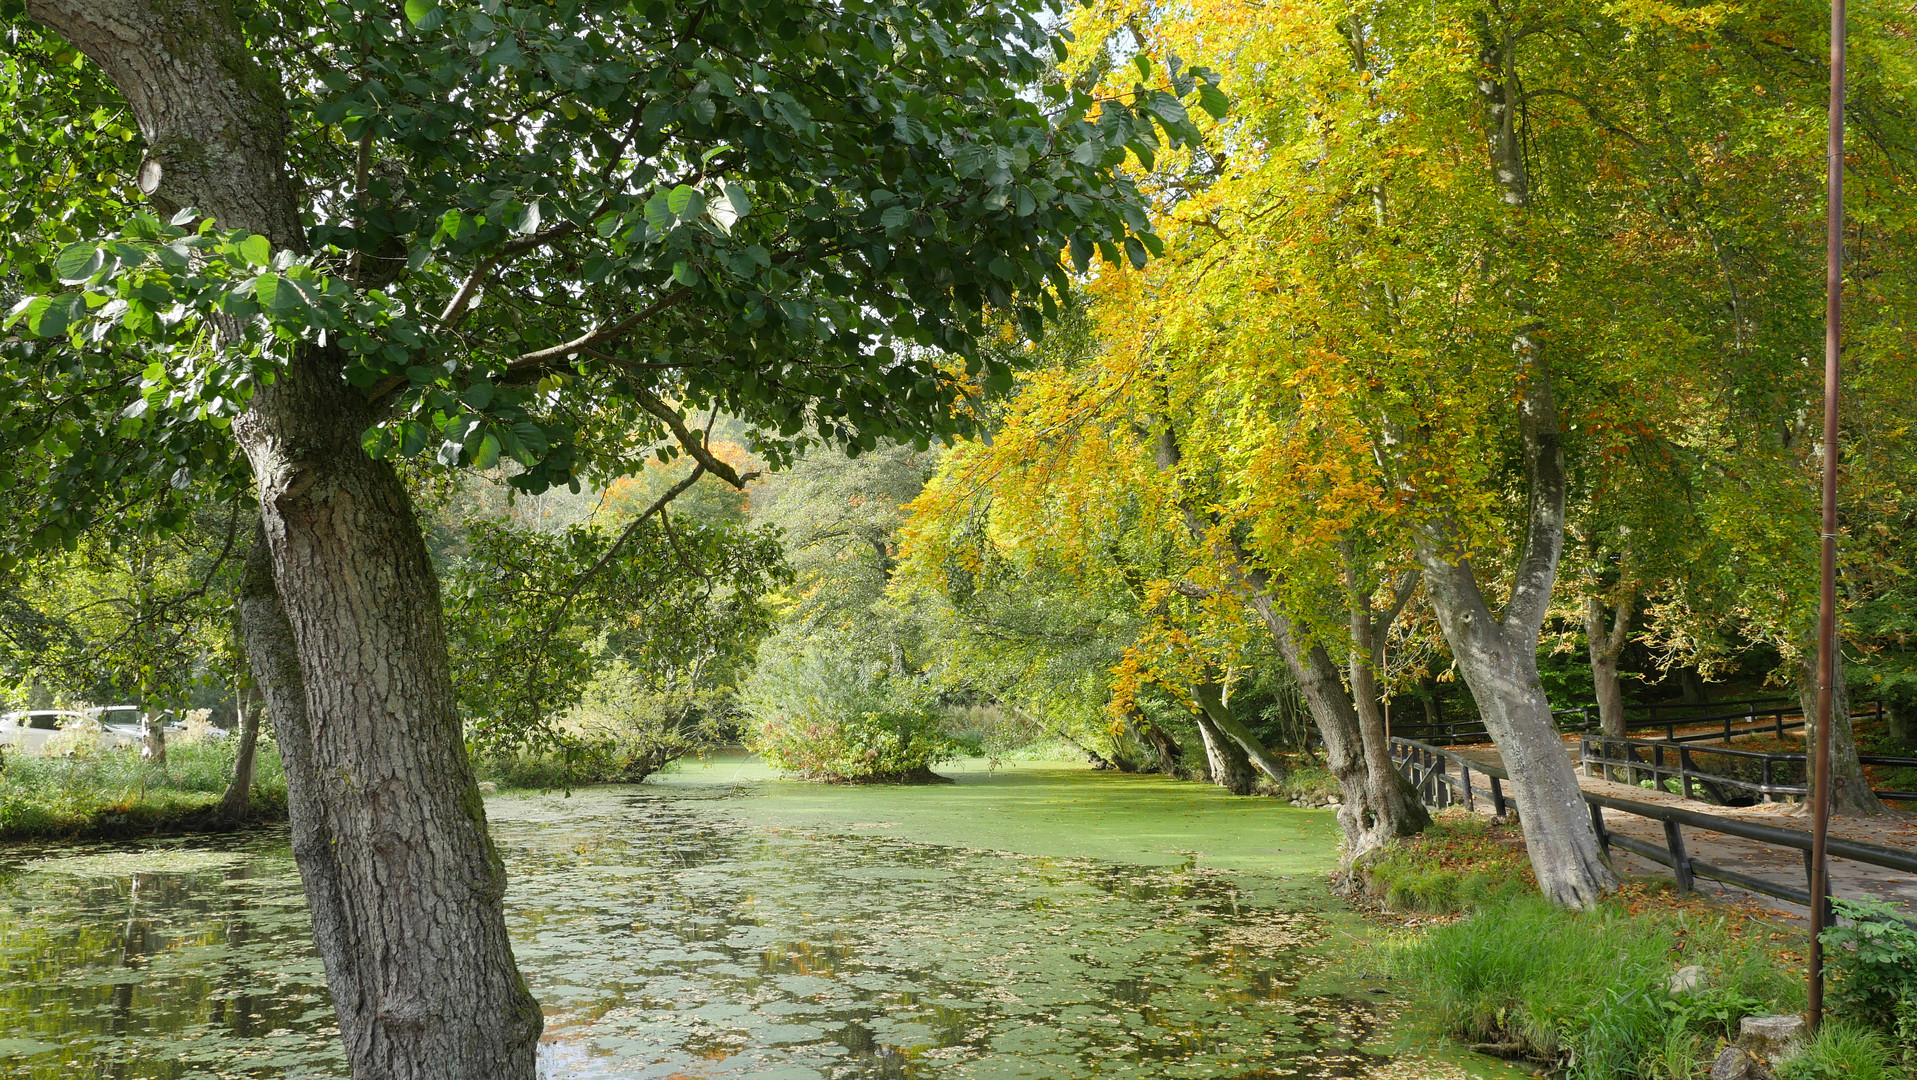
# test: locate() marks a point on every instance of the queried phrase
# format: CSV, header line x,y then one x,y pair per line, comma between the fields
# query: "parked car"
x,y
45,719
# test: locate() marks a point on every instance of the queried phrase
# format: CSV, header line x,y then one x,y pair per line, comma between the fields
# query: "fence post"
x,y
1674,839
1497,797
1684,769
1768,797
1780,723
1597,826
1470,801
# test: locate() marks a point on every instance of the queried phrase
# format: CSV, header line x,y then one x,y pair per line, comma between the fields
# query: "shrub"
x,y
826,716
1873,968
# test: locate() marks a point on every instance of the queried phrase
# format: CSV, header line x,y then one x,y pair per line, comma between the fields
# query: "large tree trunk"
x,y
1605,644
1230,769
421,882
1849,789
239,791
1499,657
389,828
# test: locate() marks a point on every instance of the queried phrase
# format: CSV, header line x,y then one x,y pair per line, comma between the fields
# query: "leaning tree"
x,y
549,232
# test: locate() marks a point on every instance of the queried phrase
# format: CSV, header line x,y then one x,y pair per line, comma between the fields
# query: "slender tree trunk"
x,y
389,827
239,792
1395,808
153,734
1363,820
1850,789
1164,747
1337,722
1210,697
1230,768
1605,644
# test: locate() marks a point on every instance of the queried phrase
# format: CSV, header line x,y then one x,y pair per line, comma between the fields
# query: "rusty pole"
x,y
1827,584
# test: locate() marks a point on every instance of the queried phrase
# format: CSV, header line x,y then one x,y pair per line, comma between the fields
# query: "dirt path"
x,y
1898,828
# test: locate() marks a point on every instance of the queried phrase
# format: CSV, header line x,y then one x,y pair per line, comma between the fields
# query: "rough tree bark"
x,y
1230,768
1849,789
239,791
389,829
1605,645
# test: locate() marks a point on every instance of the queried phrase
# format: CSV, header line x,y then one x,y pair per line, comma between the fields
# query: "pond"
x,y
1034,921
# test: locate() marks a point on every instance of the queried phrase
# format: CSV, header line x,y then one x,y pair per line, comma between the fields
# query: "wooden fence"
x,y
1727,718
1662,760
1429,769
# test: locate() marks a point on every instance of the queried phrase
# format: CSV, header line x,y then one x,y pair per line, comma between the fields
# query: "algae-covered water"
x,y
1037,921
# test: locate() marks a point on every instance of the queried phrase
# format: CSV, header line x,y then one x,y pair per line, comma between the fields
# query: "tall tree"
x,y
521,230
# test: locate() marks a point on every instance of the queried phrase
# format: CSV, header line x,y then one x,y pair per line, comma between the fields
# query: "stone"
x,y
1771,1036
1688,979
1736,1063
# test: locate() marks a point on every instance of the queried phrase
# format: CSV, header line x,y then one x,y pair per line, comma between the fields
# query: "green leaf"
x,y
1213,101
679,199
740,201
895,216
417,10
78,262
488,453
257,250
684,274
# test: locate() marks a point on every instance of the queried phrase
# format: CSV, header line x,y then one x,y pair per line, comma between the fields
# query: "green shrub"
x,y
1873,968
826,716
1841,1051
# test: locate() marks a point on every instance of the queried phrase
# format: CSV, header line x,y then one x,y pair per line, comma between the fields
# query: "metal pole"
x,y
1827,590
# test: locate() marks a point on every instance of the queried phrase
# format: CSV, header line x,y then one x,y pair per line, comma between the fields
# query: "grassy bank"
x,y
1597,995
101,792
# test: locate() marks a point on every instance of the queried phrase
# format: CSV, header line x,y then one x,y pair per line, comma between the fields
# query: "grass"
x,y
107,791
1305,781
1463,861
1843,1051
1586,993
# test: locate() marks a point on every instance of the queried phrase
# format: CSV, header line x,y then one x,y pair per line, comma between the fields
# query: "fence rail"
x,y
1427,767
1603,755
1732,718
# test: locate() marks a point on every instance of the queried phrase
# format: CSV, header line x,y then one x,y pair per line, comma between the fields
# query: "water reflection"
x,y
669,939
